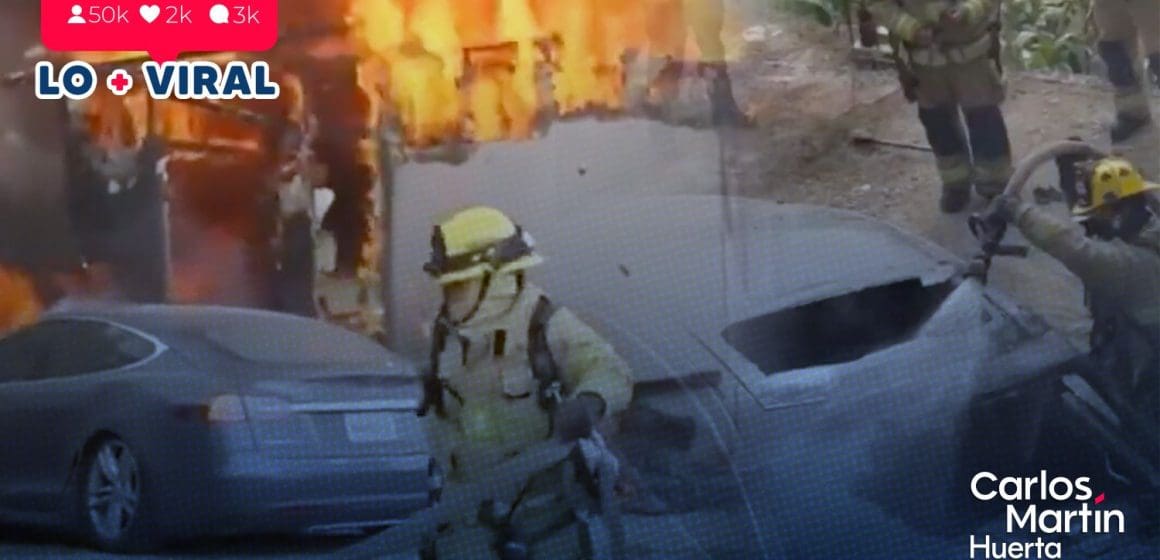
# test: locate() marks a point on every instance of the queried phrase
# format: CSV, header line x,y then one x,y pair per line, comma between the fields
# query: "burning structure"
x,y
281,204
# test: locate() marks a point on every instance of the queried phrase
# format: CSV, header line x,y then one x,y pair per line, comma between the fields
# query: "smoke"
x,y
33,215
220,230
215,270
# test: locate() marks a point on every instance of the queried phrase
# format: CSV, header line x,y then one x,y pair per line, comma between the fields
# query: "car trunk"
x,y
335,414
307,389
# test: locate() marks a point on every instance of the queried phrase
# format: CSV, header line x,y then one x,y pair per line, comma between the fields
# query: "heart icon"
x,y
150,13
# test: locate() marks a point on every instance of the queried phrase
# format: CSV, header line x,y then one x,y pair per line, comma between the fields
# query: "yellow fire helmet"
x,y
1112,180
478,241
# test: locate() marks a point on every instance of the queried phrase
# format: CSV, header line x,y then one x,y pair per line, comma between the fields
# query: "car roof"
x,y
249,331
780,254
749,257
156,318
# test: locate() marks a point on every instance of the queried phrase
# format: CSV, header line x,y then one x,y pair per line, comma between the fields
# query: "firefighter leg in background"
x,y
509,370
951,57
666,38
707,19
669,24
982,156
1125,26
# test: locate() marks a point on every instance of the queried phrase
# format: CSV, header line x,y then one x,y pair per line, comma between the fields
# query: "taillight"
x,y
226,408
235,408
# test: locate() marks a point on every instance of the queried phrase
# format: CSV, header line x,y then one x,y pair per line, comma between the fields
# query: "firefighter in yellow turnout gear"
x,y
950,50
508,370
1117,257
1125,27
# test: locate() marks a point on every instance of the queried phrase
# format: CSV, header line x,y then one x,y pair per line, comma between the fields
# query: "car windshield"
x,y
291,341
838,329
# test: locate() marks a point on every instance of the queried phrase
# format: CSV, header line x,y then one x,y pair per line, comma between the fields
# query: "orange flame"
x,y
213,272
123,121
425,50
20,303
480,70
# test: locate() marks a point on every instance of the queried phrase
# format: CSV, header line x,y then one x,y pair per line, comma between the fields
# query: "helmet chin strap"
x,y
481,296
484,286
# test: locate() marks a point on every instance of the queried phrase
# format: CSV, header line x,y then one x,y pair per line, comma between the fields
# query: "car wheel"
x,y
111,500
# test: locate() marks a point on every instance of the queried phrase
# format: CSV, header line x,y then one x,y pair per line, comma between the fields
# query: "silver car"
x,y
137,424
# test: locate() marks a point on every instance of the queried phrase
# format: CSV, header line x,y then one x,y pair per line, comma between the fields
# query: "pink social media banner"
x,y
163,28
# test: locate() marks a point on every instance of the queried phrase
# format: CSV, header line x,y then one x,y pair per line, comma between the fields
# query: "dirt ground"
x,y
809,97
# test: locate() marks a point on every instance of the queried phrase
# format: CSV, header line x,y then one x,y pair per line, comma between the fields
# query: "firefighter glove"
x,y
575,418
1004,209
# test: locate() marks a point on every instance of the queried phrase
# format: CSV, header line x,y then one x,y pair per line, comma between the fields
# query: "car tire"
x,y
112,503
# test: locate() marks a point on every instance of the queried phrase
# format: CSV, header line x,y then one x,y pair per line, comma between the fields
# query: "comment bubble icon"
x,y
219,14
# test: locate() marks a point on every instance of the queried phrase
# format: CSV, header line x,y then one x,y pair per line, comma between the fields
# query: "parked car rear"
x,y
154,422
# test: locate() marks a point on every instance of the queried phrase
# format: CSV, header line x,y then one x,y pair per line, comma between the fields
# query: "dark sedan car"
x,y
134,424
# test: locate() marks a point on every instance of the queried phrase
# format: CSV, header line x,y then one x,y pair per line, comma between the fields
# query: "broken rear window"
x,y
836,330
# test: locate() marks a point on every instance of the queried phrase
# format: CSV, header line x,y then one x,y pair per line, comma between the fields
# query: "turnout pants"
x,y
540,518
670,22
1126,26
981,155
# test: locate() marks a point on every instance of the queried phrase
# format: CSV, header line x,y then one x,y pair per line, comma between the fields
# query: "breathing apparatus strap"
x,y
432,385
543,365
544,368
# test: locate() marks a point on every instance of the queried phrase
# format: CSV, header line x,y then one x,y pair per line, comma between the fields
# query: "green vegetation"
x,y
830,13
1054,35
1049,34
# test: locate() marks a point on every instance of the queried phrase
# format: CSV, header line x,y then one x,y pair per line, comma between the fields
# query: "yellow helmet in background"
x,y
1111,180
478,241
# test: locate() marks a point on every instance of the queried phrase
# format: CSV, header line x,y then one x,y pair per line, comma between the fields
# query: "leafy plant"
x,y
1048,34
1037,34
829,13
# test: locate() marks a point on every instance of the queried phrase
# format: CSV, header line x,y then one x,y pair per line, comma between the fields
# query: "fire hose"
x,y
991,233
1050,152
463,500
1067,154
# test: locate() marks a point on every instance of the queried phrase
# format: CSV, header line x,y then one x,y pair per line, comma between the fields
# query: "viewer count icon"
x,y
76,15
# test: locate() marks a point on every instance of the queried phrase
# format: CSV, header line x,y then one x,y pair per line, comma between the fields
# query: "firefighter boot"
x,y
724,105
954,198
1126,126
665,89
1132,111
946,140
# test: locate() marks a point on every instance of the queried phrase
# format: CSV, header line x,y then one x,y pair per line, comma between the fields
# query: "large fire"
x,y
473,68
19,301
436,70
